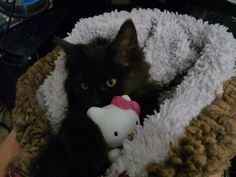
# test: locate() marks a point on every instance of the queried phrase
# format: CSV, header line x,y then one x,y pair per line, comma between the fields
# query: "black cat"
x,y
96,72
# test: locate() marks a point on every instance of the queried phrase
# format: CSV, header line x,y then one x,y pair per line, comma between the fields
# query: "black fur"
x,y
79,149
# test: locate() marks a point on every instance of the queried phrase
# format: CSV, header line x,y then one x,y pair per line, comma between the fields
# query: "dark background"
x,y
26,43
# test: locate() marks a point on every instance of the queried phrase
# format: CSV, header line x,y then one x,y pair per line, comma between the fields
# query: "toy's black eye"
x,y
136,122
116,133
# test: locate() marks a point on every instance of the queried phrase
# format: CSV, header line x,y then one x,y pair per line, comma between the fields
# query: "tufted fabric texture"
x,y
206,147
208,141
31,126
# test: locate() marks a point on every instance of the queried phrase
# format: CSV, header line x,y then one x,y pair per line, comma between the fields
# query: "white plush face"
x,y
116,124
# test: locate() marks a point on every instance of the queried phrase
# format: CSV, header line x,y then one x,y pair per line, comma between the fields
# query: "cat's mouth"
x,y
99,102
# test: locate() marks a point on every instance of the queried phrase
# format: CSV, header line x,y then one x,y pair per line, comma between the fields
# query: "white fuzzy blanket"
x,y
171,43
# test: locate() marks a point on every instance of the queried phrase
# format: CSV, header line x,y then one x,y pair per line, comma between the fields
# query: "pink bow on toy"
x,y
126,104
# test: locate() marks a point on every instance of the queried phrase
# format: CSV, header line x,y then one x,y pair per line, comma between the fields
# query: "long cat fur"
x,y
79,149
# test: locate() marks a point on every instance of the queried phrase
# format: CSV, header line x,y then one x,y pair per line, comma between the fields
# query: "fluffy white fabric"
x,y
51,94
171,43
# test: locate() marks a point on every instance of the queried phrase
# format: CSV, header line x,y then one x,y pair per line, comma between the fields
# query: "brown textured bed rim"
x,y
208,143
207,146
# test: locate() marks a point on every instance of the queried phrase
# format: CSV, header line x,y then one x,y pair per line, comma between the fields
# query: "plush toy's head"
x,y
117,121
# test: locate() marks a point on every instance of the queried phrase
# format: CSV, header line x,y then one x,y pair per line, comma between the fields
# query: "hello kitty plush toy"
x,y
117,122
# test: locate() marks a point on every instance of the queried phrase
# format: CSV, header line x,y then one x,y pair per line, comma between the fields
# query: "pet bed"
x,y
193,134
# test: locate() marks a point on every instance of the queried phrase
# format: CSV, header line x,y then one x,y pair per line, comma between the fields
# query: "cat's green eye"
x,y
111,82
84,86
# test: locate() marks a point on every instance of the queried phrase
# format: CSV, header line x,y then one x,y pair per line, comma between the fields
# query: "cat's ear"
x,y
67,47
125,42
126,37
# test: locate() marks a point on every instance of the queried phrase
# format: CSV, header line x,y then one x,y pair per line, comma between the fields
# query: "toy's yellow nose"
x,y
130,133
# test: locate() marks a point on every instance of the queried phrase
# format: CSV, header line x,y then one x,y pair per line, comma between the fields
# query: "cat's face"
x,y
102,69
96,80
